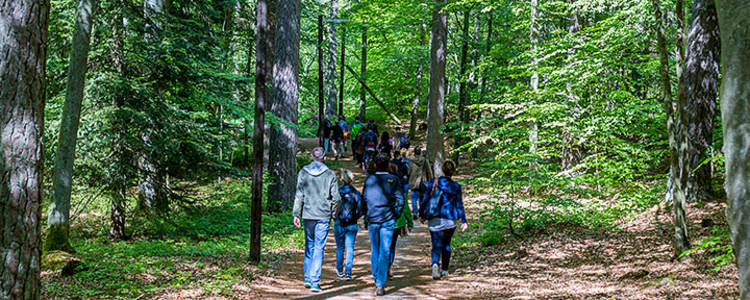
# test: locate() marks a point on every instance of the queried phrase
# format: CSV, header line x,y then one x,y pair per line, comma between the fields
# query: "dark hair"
x,y
418,151
396,154
356,118
449,168
398,128
385,136
341,117
382,161
372,120
393,169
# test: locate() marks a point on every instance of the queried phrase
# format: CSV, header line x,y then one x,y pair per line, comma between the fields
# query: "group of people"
x,y
383,203
366,140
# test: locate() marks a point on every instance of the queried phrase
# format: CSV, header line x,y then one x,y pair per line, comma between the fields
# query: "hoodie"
x,y
317,195
419,170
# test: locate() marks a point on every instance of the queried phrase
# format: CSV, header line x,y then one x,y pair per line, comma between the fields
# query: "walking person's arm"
x,y
364,203
399,191
299,201
335,196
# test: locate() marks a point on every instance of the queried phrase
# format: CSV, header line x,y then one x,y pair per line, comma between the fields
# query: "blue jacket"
x,y
344,125
453,204
349,207
382,198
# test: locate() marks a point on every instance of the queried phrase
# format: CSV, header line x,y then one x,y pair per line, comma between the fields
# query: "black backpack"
x,y
404,141
349,213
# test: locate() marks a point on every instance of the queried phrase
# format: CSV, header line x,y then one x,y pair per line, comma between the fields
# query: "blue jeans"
x,y
441,247
345,237
380,240
326,142
416,196
316,233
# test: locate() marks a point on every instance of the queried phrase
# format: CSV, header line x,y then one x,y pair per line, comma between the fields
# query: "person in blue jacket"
x,y
345,224
382,205
451,213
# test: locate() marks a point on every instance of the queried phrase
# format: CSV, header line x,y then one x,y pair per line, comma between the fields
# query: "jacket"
x,y
419,170
356,128
452,207
382,198
403,170
337,134
344,125
358,146
317,195
350,208
370,136
406,218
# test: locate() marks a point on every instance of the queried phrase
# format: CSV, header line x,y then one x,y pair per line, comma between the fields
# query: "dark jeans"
x,y
396,233
441,247
316,233
416,196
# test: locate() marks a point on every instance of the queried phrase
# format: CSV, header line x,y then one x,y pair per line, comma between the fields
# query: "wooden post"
x,y
321,98
341,80
385,108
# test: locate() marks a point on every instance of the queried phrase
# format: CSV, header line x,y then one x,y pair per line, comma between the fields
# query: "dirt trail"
x,y
411,269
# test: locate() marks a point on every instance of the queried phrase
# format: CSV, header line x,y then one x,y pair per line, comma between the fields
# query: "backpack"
x,y
434,202
370,140
348,213
404,141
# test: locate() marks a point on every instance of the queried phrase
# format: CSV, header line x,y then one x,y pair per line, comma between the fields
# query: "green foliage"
x,y
718,245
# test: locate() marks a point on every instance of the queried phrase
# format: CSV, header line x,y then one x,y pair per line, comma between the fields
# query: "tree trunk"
x,y
121,161
701,83
417,88
680,161
331,90
436,94
23,56
363,74
463,95
321,85
58,216
270,35
341,72
258,133
734,19
483,88
283,165
571,153
534,127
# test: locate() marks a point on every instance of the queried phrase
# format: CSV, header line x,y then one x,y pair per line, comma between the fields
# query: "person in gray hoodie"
x,y
317,201
419,171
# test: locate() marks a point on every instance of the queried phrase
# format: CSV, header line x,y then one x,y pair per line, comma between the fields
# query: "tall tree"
x,y
258,131
23,56
331,90
463,94
534,38
121,158
58,216
701,86
363,74
436,93
734,18
679,159
283,164
571,153
417,87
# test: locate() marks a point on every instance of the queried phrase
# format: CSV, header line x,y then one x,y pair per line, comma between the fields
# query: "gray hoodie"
x,y
317,195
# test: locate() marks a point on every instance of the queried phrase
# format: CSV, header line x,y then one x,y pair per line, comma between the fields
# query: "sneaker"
x,y
443,273
306,284
316,289
348,277
379,291
339,273
435,272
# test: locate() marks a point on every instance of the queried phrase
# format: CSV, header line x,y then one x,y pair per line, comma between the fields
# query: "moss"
x,y
57,239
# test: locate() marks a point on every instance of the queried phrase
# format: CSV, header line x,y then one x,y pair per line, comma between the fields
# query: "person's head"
x,y
346,177
418,151
403,152
397,155
371,166
393,169
341,118
382,160
398,128
449,168
372,121
356,119
385,136
318,154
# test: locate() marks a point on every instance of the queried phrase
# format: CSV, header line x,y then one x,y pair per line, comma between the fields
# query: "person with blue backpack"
x,y
345,225
370,141
442,207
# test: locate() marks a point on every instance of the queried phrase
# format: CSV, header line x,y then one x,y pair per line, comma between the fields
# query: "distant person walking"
x,y
317,202
419,171
345,225
386,144
356,128
370,142
372,124
400,140
405,223
443,225
326,135
337,139
347,134
383,203
358,149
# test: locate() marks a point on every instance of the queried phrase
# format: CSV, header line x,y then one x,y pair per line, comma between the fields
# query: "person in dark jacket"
x,y
419,171
317,202
382,205
358,149
326,135
370,141
337,138
451,213
386,144
404,224
345,225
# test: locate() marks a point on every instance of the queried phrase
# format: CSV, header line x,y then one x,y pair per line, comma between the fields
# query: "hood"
x,y
448,186
315,168
344,189
419,161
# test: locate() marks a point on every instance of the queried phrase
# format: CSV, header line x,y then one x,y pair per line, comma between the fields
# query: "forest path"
x,y
411,270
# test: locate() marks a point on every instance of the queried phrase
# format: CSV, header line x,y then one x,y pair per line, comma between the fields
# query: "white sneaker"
x,y
435,272
443,273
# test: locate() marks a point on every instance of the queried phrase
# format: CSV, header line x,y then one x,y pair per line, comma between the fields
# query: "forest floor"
x,y
631,259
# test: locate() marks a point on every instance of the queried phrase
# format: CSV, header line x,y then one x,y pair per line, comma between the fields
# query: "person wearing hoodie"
x,y
405,220
317,201
443,226
345,225
419,171
382,205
